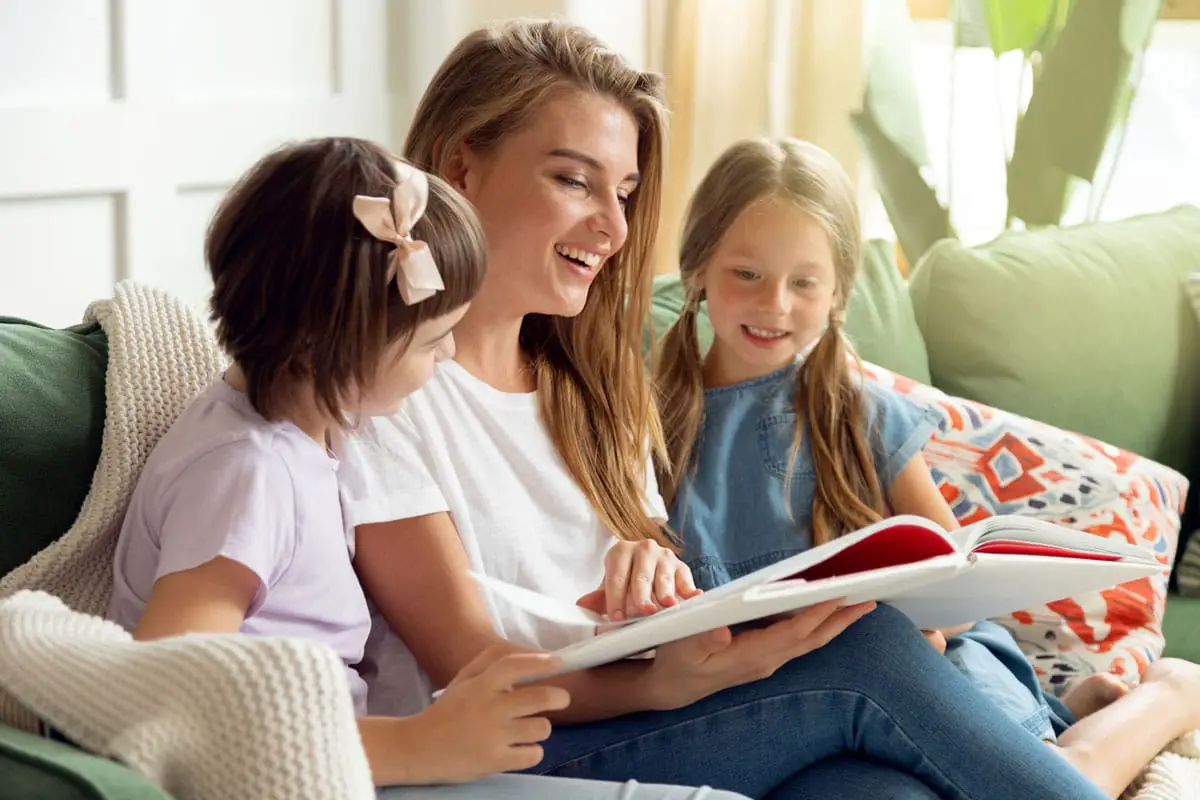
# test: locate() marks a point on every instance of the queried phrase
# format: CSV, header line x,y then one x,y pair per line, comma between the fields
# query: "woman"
x,y
526,458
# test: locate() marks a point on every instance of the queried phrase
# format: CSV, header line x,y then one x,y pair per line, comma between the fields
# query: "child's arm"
x,y
482,723
914,492
210,598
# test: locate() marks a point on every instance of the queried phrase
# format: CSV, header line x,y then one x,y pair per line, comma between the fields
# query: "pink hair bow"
x,y
411,264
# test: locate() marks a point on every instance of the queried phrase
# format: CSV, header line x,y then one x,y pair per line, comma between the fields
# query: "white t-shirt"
x,y
462,446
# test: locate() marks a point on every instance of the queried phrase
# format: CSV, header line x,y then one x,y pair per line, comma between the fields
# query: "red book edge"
x,y
908,544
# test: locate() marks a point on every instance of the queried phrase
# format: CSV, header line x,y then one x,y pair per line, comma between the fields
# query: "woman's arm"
x,y
416,572
914,492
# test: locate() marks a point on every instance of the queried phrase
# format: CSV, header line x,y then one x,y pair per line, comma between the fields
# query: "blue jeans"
x,y
878,691
988,655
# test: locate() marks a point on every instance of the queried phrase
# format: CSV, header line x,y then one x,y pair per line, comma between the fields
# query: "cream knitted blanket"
x,y
217,717
208,717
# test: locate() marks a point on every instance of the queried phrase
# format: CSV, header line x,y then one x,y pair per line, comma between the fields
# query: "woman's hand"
x,y
690,669
639,579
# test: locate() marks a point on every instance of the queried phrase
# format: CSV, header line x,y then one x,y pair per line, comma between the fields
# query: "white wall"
x,y
123,122
424,31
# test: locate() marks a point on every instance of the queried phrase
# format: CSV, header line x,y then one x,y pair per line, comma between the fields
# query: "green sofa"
x,y
1084,328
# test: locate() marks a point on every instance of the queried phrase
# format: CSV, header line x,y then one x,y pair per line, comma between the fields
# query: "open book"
x,y
938,578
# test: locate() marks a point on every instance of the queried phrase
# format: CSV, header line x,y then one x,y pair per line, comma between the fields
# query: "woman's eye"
x,y
574,183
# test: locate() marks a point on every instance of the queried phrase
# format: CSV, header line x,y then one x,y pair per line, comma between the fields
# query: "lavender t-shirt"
x,y
223,481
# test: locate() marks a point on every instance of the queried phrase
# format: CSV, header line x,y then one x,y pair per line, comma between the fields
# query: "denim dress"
x,y
733,517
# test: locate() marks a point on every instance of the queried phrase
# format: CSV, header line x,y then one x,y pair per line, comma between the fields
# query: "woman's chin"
x,y
567,302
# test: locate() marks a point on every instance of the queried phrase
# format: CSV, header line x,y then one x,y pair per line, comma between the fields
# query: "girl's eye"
x,y
804,283
623,200
745,274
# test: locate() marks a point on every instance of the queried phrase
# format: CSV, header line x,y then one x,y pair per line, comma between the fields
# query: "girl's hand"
x,y
485,721
639,579
690,669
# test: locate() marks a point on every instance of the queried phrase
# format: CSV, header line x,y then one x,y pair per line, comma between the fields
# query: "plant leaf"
x,y
1077,98
1018,24
912,206
892,134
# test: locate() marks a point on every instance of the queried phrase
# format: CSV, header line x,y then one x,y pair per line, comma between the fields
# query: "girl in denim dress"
x,y
777,444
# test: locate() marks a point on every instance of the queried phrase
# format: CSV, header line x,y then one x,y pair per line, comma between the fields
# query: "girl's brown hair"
x,y
594,392
829,401
301,291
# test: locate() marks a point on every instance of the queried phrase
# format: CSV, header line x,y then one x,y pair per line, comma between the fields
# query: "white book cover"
x,y
938,578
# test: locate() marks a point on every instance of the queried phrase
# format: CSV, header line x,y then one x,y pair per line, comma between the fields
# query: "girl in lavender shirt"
x,y
338,275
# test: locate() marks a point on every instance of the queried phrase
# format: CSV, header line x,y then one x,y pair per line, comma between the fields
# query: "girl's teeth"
x,y
765,334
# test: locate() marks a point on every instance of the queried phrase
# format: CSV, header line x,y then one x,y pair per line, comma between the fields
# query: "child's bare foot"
x,y
1089,695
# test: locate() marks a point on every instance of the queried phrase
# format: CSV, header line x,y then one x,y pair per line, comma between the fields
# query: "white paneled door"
x,y
122,123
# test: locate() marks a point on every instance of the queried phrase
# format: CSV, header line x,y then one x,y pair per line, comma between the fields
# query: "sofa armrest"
x,y
1181,626
34,766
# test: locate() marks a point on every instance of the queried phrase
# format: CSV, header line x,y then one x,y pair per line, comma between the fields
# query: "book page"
x,y
1016,535
899,541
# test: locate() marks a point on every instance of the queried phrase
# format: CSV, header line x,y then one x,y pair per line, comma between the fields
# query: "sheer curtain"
x,y
751,68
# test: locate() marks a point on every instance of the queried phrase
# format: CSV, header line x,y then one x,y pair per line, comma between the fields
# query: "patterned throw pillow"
x,y
987,462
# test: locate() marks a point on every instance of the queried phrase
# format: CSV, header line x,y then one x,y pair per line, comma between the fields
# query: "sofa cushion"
x,y
1181,627
666,305
1043,324
51,423
987,462
35,767
1187,566
879,317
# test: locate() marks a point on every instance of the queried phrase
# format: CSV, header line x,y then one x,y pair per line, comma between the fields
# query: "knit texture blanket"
x,y
160,355
204,716
220,717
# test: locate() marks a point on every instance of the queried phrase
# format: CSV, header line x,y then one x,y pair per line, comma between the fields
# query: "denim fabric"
x,y
989,657
878,691
844,777
732,512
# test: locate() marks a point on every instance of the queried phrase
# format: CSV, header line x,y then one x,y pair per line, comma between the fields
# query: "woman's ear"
x,y
462,170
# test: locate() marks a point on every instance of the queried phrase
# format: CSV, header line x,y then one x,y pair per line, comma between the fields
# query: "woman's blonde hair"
x,y
595,394
828,399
